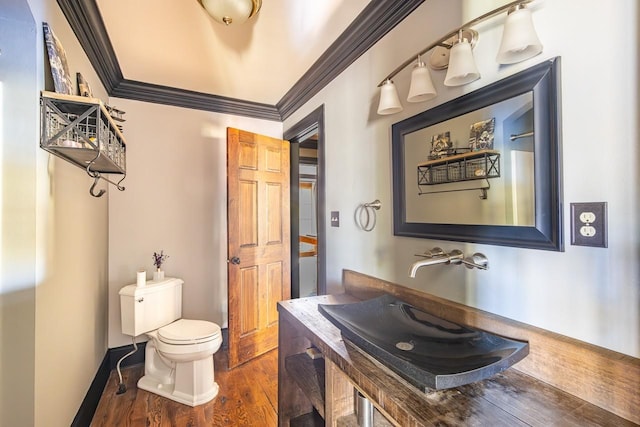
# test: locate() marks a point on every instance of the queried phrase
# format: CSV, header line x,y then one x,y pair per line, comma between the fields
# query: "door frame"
x,y
312,123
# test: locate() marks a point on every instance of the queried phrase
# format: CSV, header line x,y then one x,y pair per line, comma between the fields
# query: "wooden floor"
x,y
248,397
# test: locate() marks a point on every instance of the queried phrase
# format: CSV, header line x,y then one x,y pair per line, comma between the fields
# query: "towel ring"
x,y
366,215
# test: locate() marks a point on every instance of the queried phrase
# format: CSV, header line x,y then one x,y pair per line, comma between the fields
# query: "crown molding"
x,y
376,20
87,24
141,91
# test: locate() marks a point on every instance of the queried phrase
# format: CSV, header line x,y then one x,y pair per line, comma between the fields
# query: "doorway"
x,y
308,238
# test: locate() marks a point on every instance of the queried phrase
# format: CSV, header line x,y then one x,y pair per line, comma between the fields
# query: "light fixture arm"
x,y
441,41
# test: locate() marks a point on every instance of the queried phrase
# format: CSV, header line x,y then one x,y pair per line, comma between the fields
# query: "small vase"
x,y
158,275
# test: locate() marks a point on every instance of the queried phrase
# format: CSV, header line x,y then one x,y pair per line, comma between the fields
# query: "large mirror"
x,y
485,167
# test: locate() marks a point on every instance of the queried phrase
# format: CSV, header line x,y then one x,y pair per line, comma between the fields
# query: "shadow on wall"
x,y
18,213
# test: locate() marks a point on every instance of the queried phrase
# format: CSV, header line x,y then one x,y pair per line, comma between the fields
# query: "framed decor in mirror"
x,y
484,167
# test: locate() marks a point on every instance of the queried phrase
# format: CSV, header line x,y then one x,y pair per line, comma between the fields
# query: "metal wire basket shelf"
x,y
475,165
81,131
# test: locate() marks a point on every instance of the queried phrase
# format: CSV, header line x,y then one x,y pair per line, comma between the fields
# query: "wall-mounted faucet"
x,y
438,256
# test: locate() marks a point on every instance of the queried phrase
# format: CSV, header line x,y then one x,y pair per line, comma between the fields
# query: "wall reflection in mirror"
x,y
510,197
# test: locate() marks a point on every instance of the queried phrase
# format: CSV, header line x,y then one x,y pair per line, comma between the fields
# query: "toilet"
x,y
179,354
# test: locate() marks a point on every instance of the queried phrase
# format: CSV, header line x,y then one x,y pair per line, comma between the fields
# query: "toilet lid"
x,y
184,331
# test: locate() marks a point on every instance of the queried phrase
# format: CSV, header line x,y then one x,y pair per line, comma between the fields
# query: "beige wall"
x,y
17,214
588,293
175,200
60,277
54,248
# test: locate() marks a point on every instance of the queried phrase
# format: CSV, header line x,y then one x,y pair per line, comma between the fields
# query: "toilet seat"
x,y
188,332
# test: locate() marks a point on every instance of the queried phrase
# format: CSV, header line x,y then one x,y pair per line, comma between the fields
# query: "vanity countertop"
x,y
510,398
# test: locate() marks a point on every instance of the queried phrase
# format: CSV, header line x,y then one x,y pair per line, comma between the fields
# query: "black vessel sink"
x,y
429,352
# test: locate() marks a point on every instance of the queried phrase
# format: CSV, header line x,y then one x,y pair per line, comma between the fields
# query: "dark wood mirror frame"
x,y
544,81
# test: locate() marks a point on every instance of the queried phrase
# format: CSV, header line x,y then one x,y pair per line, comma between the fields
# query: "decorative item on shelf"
x,y
116,115
441,146
231,11
83,87
481,135
158,260
58,60
455,52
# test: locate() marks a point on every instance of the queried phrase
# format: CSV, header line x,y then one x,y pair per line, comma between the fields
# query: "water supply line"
x,y
122,388
367,222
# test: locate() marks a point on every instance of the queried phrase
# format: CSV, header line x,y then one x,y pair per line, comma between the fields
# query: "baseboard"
x,y
90,403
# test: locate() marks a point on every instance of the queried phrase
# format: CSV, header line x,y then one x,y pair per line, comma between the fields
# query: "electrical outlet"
x,y
589,224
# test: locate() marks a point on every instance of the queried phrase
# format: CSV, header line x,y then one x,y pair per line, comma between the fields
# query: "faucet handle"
x,y
476,260
434,252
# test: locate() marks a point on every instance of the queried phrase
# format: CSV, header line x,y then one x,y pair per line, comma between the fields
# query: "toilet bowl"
x,y
179,361
179,354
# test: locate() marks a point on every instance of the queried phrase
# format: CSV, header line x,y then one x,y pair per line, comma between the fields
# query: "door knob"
x,y
235,260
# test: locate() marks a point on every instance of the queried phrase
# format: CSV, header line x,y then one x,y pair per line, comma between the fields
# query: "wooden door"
x,y
259,250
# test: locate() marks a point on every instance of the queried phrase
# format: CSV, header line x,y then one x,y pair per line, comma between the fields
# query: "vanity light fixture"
x,y
462,66
389,101
455,52
421,88
231,11
519,38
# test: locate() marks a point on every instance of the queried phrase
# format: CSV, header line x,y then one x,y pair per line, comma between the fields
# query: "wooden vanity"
x,y
562,381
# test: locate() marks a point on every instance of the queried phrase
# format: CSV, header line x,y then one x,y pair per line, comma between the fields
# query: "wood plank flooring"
x,y
248,397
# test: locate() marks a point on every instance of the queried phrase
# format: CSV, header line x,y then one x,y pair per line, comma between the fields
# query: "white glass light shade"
x,y
519,38
421,88
462,66
231,11
389,101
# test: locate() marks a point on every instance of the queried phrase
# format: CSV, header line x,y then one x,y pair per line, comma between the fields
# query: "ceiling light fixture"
x,y
231,11
455,52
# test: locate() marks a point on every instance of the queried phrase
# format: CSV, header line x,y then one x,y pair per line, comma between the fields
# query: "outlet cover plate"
x,y
589,233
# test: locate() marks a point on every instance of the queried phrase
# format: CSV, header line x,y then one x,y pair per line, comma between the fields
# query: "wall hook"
x,y
96,176
93,187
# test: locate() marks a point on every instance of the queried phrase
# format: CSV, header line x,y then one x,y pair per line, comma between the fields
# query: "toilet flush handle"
x,y
235,260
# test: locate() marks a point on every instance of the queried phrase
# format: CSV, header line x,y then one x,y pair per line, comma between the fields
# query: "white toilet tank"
x,y
146,308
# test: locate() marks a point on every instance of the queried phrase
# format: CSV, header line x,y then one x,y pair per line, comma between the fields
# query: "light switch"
x,y
335,218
